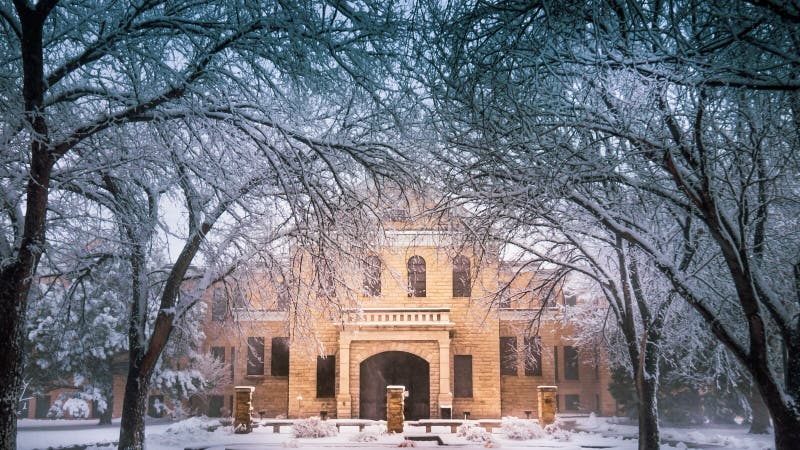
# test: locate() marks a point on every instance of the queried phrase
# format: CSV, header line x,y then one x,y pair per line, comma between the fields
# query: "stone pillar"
x,y
343,399
445,396
395,401
547,404
243,409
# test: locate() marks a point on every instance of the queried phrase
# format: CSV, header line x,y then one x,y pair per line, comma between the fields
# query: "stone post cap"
x,y
244,388
395,386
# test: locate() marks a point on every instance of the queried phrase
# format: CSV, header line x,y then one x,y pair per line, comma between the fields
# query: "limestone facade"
x,y
439,328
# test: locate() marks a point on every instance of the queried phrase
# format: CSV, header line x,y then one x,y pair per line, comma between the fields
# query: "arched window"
x,y
372,276
462,286
416,276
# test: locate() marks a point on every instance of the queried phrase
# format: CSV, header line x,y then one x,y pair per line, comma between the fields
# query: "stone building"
x,y
428,319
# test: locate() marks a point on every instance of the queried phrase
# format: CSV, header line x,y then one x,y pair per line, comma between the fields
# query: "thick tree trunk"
x,y
12,317
108,393
649,436
787,431
131,433
760,421
16,278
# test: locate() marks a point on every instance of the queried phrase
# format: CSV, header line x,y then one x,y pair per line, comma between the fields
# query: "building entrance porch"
x,y
394,368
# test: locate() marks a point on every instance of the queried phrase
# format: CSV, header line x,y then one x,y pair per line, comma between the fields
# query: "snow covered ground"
x,y
162,435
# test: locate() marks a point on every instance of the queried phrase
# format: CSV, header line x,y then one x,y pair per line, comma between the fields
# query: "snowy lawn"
x,y
193,432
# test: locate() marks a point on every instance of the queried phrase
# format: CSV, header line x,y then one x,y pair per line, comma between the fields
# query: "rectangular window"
x,y
533,356
572,402
570,363
255,356
570,299
219,309
326,376
218,353
462,376
280,357
508,356
555,362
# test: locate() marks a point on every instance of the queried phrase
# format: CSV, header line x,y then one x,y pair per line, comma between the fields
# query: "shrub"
x,y
407,443
314,427
366,436
557,432
521,429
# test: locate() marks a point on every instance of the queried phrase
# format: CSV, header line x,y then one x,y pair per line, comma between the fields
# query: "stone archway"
x,y
394,368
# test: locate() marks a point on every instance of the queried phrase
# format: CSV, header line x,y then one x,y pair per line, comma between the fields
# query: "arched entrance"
x,y
390,368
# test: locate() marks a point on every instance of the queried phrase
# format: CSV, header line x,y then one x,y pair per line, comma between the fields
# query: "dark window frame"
x,y
219,306
218,353
462,277
462,376
326,376
508,356
255,362
417,276
571,363
533,356
572,402
279,357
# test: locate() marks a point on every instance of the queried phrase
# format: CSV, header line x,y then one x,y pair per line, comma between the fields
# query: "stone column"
x,y
395,401
243,409
445,396
343,399
547,404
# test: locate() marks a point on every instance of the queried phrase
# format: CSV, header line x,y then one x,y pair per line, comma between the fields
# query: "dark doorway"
x,y
394,368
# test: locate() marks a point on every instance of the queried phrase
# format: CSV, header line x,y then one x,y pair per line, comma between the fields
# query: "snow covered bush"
x,y
69,406
464,428
365,436
472,432
478,434
557,432
406,443
314,427
521,429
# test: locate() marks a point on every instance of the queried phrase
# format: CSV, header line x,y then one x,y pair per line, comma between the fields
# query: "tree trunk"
x,y
108,393
787,430
649,437
760,421
131,433
12,317
16,277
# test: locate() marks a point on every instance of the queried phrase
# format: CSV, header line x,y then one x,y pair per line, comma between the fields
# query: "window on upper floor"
x,y
219,305
462,285
218,353
372,276
416,276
